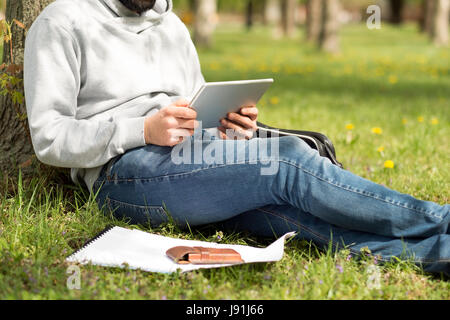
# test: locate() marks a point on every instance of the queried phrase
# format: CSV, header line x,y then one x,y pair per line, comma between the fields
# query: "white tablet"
x,y
215,100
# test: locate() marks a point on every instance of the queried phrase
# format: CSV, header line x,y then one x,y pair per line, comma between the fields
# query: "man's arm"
x,y
52,83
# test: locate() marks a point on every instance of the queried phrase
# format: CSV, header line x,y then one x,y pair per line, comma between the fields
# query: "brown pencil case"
x,y
201,255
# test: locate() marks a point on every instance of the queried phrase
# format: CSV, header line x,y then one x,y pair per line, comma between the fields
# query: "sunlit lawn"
x,y
389,79
384,100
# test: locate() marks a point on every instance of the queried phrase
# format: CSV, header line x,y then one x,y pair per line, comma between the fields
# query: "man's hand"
x,y
171,124
242,124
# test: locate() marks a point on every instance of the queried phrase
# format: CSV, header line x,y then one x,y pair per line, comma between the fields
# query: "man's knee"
x,y
293,147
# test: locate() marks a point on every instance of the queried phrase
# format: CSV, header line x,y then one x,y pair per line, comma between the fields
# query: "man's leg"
x,y
200,192
432,253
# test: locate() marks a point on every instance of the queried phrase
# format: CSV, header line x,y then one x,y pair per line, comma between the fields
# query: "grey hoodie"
x,y
94,71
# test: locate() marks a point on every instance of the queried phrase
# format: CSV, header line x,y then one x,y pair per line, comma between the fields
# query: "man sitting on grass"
x,y
106,84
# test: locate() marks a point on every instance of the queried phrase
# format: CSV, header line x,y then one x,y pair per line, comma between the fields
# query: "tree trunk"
x,y
423,15
272,17
272,14
329,37
313,20
249,14
288,8
428,16
440,22
205,22
396,11
15,143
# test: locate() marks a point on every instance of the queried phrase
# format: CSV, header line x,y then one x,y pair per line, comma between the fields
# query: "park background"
x,y
380,94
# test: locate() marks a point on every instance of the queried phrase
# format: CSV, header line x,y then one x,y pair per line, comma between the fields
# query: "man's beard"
x,y
138,6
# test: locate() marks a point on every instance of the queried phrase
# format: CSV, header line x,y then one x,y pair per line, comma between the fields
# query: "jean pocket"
x,y
137,214
109,167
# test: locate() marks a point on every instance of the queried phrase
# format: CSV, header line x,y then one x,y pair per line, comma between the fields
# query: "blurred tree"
x,y
288,8
440,23
205,22
249,14
313,20
15,146
272,16
427,16
396,11
329,34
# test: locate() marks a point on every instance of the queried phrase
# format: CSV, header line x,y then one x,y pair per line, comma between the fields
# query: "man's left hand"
x,y
239,125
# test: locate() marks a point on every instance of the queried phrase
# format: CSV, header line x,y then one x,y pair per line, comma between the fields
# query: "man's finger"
x,y
238,131
250,111
241,120
182,112
177,134
181,103
222,133
188,124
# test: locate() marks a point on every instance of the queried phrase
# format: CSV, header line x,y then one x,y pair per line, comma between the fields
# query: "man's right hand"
x,y
171,124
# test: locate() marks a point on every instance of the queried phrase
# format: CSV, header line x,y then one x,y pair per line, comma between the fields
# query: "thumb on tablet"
x,y
181,103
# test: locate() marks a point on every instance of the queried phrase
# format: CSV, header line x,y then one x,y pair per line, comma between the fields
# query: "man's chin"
x,y
138,6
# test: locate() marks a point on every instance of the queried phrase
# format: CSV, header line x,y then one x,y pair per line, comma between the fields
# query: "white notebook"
x,y
135,249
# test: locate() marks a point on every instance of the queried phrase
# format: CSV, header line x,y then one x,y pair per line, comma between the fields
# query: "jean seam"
x,y
188,173
281,216
333,183
109,199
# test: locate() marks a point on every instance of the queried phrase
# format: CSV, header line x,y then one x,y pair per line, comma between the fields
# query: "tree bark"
x,y
15,144
313,20
440,24
329,35
205,22
288,8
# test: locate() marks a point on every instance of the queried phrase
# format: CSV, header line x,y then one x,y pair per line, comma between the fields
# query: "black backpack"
x,y
315,140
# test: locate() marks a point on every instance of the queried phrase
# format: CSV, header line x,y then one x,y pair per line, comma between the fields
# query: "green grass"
x,y
380,79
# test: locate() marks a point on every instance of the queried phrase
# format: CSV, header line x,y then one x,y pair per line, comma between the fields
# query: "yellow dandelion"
x,y
310,69
434,72
420,119
379,72
377,130
389,164
434,121
422,60
349,126
393,79
262,67
404,121
214,66
274,100
380,149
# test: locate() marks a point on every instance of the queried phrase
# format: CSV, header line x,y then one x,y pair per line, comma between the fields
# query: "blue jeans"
x,y
293,189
